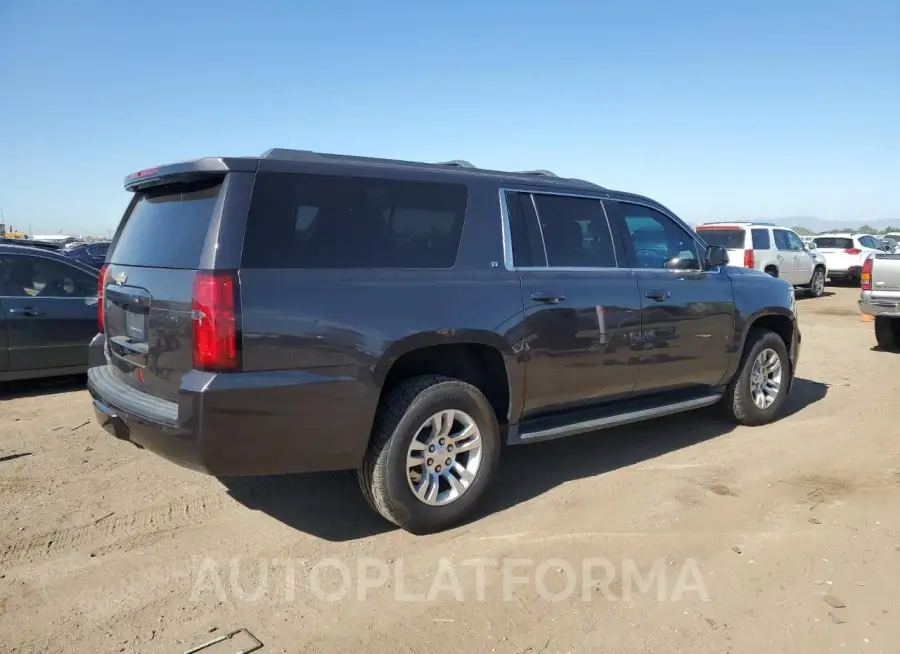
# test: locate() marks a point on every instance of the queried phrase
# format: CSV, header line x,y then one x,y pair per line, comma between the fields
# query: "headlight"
x,y
793,293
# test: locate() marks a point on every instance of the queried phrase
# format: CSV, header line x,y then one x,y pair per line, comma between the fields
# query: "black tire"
x,y
887,333
383,476
737,401
818,273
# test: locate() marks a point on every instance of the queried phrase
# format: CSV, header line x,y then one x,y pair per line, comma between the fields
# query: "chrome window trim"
x,y
506,230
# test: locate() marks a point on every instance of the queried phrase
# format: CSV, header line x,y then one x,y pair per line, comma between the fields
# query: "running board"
x,y
617,419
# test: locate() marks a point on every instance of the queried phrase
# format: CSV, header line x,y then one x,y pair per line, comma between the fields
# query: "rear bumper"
x,y
853,272
875,307
253,423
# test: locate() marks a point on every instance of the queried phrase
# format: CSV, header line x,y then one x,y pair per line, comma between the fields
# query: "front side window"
x,y
328,221
782,240
576,232
794,241
27,276
654,240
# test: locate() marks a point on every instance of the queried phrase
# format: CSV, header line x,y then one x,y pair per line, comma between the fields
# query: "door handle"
x,y
659,296
547,296
26,311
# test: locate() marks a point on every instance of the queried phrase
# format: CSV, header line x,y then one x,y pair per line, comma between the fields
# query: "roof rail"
x,y
459,163
540,173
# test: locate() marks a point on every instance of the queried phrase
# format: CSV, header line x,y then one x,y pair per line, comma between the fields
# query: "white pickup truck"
x,y
880,297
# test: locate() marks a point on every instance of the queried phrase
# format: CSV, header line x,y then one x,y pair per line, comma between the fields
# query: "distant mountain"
x,y
819,225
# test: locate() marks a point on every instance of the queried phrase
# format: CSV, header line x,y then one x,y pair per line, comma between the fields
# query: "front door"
x,y
803,260
582,312
50,308
687,312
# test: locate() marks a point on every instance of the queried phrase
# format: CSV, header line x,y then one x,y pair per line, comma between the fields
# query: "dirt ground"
x,y
783,538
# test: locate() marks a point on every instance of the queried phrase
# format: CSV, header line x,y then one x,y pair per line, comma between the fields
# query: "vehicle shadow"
x,y
37,387
878,348
805,296
330,505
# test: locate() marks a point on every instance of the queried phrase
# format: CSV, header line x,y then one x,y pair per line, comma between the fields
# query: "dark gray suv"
x,y
301,312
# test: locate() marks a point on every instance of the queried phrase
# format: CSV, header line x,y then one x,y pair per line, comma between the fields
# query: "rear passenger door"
x,y
582,311
687,312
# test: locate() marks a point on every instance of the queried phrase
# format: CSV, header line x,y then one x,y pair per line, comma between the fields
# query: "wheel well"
x,y
474,363
771,267
781,325
819,266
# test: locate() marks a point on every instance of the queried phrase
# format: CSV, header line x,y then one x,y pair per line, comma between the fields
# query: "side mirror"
x,y
716,256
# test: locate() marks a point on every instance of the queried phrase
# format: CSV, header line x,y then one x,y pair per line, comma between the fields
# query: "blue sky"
x,y
717,109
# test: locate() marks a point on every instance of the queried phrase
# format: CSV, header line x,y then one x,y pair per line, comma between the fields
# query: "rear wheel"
x,y
758,391
817,283
887,333
434,451
772,270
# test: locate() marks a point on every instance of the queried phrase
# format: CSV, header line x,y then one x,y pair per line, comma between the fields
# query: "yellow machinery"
x,y
11,234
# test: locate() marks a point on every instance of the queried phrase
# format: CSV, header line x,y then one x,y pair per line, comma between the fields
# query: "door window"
x,y
782,240
27,276
575,231
794,241
761,240
654,240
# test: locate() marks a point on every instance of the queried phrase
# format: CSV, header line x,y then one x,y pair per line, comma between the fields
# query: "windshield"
x,y
730,239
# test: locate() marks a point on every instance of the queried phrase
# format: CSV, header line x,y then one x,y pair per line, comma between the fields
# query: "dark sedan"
x,y
49,313
92,254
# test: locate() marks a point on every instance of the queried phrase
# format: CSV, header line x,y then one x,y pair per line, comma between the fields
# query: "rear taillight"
x,y
865,278
748,258
214,318
852,251
101,287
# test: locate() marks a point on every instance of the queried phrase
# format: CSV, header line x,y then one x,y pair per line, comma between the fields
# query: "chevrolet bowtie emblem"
x,y
120,278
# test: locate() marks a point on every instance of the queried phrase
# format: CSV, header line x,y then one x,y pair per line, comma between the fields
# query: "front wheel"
x,y
758,391
817,283
434,451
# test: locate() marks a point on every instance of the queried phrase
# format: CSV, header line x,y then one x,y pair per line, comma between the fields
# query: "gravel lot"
x,y
784,538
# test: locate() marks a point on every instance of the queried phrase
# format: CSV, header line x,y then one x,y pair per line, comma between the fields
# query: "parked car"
x,y
49,313
879,296
92,254
778,251
326,312
890,244
53,247
845,254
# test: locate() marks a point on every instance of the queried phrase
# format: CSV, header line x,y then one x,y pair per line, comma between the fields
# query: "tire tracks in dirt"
x,y
113,527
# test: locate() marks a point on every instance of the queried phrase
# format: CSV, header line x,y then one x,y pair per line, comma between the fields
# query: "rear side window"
x,y
167,227
833,242
761,240
730,239
327,221
576,232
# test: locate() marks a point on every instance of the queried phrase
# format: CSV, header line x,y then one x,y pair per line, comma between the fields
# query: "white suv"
x,y
846,253
775,250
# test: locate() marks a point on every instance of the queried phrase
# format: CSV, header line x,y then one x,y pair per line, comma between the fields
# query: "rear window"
x,y
833,242
326,221
730,239
167,227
